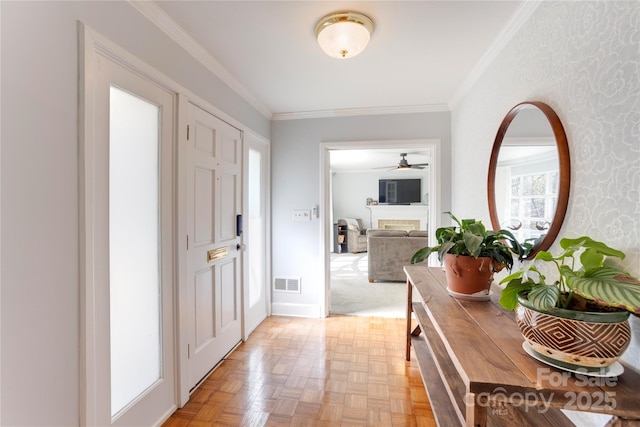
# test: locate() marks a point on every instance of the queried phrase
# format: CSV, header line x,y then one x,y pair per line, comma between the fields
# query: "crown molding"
x,y
167,25
369,111
175,32
521,16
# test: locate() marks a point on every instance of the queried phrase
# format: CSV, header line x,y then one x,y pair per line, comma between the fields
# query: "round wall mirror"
x,y
529,175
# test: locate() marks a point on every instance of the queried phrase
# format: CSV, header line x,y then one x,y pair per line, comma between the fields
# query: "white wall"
x,y
351,190
39,311
582,59
295,184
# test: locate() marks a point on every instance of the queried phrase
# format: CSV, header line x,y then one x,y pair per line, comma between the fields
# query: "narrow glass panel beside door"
x,y
134,247
255,232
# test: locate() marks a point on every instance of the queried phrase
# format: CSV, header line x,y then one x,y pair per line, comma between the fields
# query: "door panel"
x,y
228,295
214,262
206,141
229,145
204,307
203,211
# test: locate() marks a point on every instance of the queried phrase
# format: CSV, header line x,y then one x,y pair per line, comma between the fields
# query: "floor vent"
x,y
286,284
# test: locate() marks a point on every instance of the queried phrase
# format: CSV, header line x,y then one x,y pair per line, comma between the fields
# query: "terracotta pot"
x,y
574,339
468,275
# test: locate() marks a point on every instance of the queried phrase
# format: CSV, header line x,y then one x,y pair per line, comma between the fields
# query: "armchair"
x,y
356,234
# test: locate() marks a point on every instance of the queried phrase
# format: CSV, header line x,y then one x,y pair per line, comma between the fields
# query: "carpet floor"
x,y
352,294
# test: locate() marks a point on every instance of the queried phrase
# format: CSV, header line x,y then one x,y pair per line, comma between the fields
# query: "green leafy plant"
x,y
595,284
471,238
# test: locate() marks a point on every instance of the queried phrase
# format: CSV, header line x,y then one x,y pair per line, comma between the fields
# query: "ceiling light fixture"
x,y
344,34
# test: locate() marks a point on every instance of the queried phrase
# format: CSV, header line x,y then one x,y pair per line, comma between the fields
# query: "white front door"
x,y
214,251
127,259
256,273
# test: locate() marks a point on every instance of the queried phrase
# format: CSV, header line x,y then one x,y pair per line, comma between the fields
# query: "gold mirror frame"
x,y
564,171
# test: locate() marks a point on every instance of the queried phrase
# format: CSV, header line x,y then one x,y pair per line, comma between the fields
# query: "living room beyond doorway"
x,y
353,171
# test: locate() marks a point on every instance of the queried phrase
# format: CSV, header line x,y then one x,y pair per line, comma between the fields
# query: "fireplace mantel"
x,y
400,212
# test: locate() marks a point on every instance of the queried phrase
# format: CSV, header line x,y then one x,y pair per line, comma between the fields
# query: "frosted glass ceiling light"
x,y
344,34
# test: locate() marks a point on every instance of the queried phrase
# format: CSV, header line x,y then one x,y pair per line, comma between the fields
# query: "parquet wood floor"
x,y
339,371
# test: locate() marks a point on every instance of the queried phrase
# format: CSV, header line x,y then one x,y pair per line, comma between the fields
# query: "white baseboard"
x,y
296,310
166,416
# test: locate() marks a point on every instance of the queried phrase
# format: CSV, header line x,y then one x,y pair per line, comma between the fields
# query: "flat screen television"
x,y
399,191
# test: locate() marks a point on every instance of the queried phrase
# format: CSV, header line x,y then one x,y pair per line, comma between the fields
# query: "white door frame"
x,y
92,46
325,192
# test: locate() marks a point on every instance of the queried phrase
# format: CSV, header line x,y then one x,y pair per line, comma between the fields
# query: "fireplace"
x,y
400,217
399,224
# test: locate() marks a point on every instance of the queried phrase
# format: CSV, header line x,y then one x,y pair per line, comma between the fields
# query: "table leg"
x,y
476,415
409,311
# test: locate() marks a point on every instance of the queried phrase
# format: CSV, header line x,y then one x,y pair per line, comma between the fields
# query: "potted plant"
x,y
580,320
470,255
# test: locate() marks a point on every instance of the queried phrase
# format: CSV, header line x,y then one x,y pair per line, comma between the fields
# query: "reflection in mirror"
x,y
529,175
526,180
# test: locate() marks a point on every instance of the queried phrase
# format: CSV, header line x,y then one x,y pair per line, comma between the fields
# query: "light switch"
x,y
302,214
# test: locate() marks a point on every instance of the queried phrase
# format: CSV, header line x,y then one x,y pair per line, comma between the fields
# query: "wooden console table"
x,y
476,372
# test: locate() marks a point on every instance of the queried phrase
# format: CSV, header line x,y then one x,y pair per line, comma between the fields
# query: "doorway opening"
x,y
351,172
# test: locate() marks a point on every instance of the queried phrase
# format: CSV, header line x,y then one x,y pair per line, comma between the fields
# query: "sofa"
x,y
390,250
356,234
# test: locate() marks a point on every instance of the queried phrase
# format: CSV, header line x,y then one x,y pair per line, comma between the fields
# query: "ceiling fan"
x,y
404,164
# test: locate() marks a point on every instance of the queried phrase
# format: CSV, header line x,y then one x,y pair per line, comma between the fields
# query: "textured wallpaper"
x,y
583,59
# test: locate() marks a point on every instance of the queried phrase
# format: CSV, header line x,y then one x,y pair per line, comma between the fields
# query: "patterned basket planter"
x,y
574,338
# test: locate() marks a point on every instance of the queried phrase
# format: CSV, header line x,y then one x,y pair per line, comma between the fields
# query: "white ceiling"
x,y
420,57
